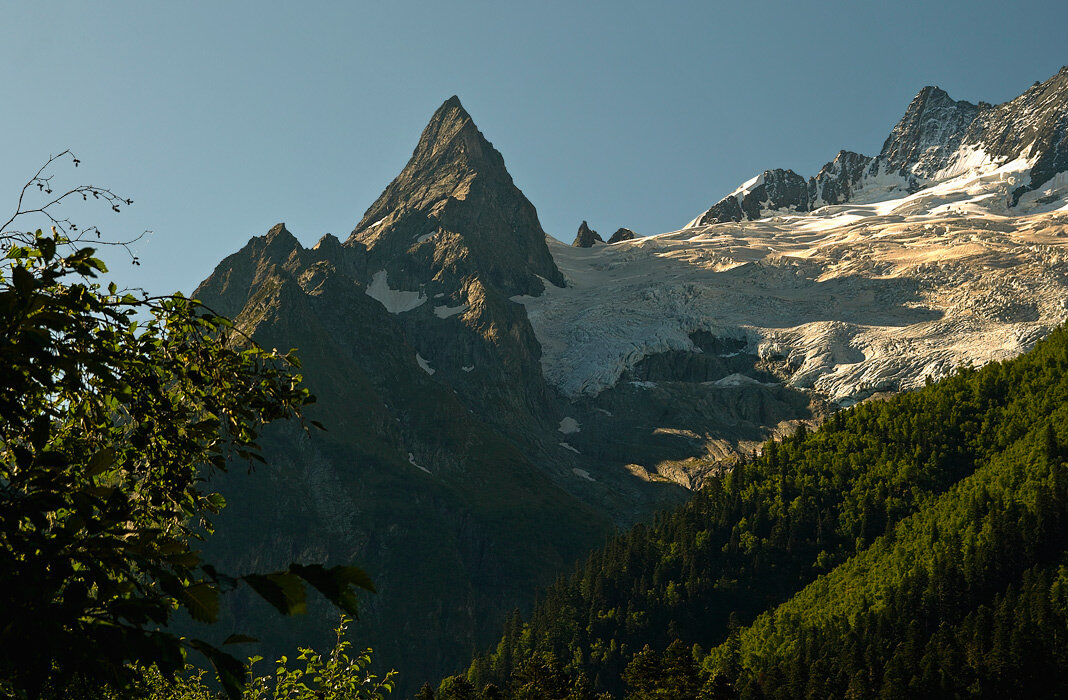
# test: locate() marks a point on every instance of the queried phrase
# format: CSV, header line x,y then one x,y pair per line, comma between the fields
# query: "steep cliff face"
x,y
436,503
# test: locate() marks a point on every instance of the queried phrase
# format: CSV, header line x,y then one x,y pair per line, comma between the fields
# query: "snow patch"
x,y
569,447
737,380
865,296
747,187
468,368
424,364
447,311
411,460
568,426
582,474
396,301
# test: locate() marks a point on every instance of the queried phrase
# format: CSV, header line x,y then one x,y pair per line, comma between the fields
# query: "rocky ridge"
x,y
938,138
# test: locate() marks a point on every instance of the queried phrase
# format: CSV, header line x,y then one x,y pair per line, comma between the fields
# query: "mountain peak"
x,y
586,237
454,204
278,230
451,153
930,131
932,92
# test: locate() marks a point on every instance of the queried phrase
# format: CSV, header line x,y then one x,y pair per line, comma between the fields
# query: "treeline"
x,y
908,547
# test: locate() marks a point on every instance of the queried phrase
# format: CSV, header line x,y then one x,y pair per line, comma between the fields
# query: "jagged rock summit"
x,y
938,140
586,237
622,234
454,212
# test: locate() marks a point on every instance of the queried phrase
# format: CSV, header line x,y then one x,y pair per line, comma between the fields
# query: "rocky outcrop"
x,y
586,237
622,234
1034,125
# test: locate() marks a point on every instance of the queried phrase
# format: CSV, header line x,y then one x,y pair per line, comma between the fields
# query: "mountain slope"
x,y
869,278
944,497
482,382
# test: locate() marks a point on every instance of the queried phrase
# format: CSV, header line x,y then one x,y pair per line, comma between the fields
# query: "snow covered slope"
x,y
851,300
951,247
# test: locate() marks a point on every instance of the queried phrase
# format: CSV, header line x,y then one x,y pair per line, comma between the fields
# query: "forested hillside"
x,y
909,547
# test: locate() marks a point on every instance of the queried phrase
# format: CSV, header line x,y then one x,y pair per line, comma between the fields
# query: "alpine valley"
x,y
498,403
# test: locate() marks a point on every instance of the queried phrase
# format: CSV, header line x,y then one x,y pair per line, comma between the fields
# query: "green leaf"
x,y
202,601
240,639
336,583
229,671
40,431
48,247
100,461
283,590
24,281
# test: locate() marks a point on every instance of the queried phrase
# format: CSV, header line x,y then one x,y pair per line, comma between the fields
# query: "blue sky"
x,y
220,119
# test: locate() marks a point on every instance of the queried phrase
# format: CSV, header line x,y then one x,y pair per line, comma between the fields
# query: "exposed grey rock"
x,y
726,209
586,237
622,234
1034,125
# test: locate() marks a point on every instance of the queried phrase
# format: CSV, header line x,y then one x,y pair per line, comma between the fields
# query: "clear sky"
x,y
221,119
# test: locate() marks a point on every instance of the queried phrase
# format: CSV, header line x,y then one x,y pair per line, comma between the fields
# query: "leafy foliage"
x,y
114,409
336,676
898,520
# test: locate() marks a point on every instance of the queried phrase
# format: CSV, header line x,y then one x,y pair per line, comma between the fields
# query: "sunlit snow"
x,y
871,295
